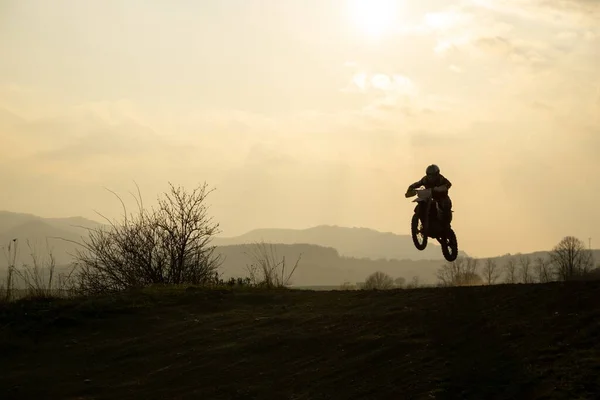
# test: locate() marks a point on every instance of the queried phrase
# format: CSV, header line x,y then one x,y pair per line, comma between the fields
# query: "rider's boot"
x,y
446,217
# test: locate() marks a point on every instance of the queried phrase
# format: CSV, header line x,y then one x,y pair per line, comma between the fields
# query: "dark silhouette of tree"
x,y
543,269
511,270
525,269
571,259
490,271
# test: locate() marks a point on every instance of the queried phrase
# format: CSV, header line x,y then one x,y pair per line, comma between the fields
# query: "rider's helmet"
x,y
433,170
433,173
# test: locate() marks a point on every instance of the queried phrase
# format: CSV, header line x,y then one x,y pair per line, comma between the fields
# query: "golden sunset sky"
x,y
308,112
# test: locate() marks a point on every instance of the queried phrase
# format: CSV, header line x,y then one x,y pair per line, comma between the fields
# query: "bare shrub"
x,y
166,245
460,272
378,281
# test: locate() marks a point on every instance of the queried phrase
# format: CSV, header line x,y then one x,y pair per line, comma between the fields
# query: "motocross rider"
x,y
439,185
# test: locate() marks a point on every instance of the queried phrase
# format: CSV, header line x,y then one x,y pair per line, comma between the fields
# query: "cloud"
x,y
430,140
523,53
365,82
504,28
567,35
588,8
83,146
360,80
556,13
540,106
448,20
105,142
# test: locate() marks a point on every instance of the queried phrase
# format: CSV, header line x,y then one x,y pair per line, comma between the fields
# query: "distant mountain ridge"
x,y
349,242
9,220
330,254
43,234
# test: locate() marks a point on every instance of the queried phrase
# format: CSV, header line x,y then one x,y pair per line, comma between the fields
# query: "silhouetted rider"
x,y
440,185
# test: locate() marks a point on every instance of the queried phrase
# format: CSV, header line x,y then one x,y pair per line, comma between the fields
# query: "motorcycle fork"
x,y
425,218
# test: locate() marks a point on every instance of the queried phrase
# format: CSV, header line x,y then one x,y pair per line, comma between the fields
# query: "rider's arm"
x,y
446,184
418,183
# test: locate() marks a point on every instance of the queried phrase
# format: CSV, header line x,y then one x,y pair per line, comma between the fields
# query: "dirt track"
x,y
500,342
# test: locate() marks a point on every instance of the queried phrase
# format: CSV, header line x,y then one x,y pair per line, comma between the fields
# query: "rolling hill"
x,y
322,266
349,242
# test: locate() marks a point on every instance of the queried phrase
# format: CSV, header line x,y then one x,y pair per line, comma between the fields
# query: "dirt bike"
x,y
427,223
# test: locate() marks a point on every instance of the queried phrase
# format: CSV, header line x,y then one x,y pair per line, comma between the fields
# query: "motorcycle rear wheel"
x,y
450,246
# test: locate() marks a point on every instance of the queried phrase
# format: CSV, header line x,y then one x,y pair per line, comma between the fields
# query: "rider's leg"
x,y
446,206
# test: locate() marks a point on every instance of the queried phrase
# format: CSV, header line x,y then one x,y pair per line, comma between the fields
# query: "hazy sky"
x,y
309,112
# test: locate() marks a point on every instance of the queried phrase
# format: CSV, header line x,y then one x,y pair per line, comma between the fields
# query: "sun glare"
x,y
373,18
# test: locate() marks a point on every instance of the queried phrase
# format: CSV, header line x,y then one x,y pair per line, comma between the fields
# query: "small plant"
x,y
237,282
218,281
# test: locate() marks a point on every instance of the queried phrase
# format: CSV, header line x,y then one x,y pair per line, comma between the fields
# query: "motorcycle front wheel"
x,y
416,233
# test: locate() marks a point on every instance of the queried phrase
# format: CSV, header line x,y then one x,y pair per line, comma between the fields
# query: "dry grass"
x,y
37,279
267,269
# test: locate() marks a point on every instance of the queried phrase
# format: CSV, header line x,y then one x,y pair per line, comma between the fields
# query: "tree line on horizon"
x,y
569,260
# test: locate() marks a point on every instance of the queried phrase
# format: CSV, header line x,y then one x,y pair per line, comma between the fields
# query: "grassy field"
x,y
499,342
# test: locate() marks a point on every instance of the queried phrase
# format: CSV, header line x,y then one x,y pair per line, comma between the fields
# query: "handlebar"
x,y
413,192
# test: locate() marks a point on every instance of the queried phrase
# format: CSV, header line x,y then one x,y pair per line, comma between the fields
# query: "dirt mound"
x,y
499,342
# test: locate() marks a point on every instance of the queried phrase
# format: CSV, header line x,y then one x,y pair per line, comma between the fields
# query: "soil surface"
x,y
498,342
